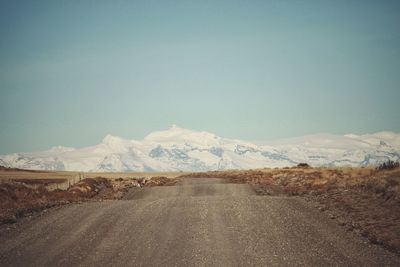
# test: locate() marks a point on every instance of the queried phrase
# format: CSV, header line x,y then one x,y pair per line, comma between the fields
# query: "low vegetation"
x,y
24,197
388,165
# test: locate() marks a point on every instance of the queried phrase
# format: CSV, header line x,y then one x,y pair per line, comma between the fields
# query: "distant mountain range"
x,y
178,149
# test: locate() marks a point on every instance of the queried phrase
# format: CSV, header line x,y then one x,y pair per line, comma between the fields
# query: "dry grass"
x,y
23,192
361,199
19,199
132,175
14,174
53,180
27,174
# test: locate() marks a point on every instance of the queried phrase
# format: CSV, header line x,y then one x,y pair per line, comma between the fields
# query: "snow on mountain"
x,y
176,136
380,138
61,149
179,149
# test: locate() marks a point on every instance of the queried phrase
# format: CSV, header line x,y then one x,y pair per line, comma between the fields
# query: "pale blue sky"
x,y
73,71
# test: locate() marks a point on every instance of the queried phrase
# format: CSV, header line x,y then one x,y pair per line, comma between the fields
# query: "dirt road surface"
x,y
199,222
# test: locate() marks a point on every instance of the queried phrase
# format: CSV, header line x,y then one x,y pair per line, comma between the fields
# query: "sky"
x,y
72,72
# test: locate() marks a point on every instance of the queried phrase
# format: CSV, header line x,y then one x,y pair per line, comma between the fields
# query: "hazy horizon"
x,y
73,72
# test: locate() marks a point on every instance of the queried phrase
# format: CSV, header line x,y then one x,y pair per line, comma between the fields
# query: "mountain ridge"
x,y
180,149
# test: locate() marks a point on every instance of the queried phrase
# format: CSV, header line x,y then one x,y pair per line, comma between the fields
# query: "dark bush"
x,y
388,165
303,165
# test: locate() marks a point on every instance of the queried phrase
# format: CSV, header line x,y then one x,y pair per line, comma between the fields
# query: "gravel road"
x,y
199,222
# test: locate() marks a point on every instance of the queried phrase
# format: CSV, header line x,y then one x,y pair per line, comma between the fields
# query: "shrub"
x,y
388,165
303,165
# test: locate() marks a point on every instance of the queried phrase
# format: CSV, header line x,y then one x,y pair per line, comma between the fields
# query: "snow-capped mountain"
x,y
178,149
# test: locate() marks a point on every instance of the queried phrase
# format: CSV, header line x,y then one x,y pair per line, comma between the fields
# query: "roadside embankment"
x,y
24,197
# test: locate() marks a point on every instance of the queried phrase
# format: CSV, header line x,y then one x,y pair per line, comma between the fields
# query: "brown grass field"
x,y
10,174
134,175
24,192
64,179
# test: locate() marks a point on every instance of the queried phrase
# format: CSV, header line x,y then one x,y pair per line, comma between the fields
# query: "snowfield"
x,y
178,149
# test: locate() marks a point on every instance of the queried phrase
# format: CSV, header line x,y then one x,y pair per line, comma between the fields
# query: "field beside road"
x,y
13,174
32,177
132,175
25,192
